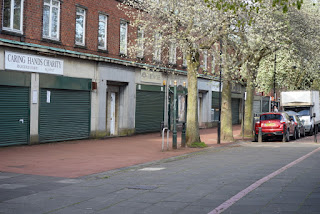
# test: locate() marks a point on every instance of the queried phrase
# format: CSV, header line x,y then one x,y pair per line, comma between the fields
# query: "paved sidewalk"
x,y
83,157
198,183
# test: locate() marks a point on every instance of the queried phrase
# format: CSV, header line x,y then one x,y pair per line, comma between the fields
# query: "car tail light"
x,y
282,124
258,124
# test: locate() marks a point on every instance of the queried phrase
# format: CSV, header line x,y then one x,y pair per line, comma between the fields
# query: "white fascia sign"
x,y
215,86
151,76
32,63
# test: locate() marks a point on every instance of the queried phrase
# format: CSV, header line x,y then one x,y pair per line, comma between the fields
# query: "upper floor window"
x,y
213,62
123,37
157,47
80,26
184,59
102,34
12,15
205,60
140,43
51,19
173,53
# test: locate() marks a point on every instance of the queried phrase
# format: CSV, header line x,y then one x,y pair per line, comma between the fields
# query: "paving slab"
x,y
77,158
193,183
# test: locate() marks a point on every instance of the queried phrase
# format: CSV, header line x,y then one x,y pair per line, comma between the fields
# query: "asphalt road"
x,y
246,177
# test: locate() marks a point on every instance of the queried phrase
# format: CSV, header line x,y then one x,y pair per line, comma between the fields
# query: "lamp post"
x,y
274,80
183,133
174,132
219,118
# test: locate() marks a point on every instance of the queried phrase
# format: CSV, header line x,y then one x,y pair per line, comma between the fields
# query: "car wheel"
x,y
294,134
255,138
311,131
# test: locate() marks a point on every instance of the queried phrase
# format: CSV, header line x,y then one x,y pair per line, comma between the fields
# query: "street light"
x,y
183,132
274,78
174,132
219,118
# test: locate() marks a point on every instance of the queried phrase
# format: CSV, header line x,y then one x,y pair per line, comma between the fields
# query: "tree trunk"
x,y
248,118
226,112
192,131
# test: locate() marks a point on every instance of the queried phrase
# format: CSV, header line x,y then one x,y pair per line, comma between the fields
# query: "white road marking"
x,y
151,169
69,181
253,186
12,186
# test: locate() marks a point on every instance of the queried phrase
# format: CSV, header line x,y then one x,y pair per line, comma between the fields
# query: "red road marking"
x,y
225,205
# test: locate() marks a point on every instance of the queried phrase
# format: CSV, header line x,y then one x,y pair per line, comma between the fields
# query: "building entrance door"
x,y
112,113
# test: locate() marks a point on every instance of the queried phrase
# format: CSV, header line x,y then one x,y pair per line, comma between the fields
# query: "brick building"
x,y
65,73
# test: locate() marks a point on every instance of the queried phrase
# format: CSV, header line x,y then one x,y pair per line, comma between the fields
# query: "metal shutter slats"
x,y
14,105
235,103
66,117
149,111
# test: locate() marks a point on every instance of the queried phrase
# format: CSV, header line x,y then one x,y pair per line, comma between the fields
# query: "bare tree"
x,y
188,24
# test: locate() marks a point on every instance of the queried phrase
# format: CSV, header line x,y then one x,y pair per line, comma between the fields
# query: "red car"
x,y
272,126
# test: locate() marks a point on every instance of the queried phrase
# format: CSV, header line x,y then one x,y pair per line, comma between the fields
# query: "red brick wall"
x,y
32,29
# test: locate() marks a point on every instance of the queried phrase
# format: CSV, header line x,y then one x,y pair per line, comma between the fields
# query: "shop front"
x,y
38,103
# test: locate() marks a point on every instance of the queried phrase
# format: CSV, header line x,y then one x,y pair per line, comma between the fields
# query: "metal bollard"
x,y
183,135
168,131
315,134
284,134
260,135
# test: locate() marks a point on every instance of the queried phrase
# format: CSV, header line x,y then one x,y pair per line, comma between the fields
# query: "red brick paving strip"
x,y
83,157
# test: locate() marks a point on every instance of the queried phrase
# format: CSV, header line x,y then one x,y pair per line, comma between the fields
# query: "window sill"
x,y
156,62
173,65
80,46
141,59
123,55
56,42
11,33
103,51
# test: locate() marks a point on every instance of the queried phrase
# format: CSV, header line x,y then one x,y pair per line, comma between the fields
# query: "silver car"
x,y
294,117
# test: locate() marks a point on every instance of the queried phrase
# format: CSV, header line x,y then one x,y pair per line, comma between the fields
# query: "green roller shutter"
x,y
215,100
14,115
235,105
65,116
215,106
149,111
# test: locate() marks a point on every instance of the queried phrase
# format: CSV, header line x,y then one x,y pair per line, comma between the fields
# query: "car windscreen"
x,y
304,113
270,117
296,109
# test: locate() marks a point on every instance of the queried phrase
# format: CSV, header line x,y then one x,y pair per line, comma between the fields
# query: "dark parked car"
x,y
300,130
272,126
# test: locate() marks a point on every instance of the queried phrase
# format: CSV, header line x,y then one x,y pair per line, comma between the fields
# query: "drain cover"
x,y
143,187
